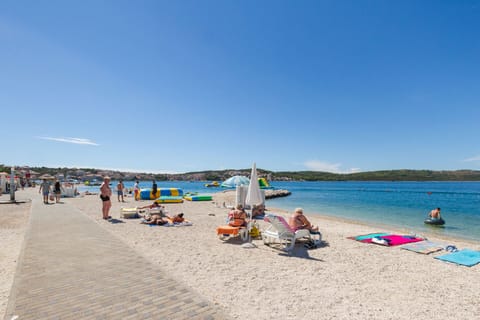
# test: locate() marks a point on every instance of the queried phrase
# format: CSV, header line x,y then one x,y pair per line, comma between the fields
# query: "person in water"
x,y
435,213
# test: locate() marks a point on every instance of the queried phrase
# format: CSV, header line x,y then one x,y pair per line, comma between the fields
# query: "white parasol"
x,y
254,195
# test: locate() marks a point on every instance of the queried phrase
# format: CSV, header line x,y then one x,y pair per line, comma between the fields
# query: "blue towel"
x,y
465,257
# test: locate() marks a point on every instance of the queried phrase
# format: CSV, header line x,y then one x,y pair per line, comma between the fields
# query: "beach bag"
x,y
129,213
52,197
255,231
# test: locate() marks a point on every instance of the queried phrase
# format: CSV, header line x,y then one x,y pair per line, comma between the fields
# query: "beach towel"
x,y
423,247
368,236
465,257
392,240
178,224
228,230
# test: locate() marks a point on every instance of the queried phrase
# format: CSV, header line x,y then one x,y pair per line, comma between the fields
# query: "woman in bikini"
x,y
105,194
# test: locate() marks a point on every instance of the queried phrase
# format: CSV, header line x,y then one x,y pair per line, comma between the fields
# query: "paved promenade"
x,y
71,268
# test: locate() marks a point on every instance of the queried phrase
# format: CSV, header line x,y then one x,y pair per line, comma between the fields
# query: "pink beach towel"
x,y
395,239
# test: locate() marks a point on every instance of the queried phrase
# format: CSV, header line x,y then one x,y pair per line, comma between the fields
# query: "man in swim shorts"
x,y
105,194
120,188
45,189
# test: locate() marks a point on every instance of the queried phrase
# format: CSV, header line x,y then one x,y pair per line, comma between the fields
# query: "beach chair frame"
x,y
279,229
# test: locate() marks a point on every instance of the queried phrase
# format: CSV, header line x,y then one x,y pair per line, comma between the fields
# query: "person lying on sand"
x,y
154,219
151,206
178,218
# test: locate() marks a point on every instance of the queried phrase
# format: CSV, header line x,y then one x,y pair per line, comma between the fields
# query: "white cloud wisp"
x,y
71,140
316,165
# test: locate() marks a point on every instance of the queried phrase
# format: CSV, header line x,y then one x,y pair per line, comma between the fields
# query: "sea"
x,y
397,204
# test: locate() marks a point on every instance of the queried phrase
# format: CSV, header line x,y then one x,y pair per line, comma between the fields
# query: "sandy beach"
x,y
343,279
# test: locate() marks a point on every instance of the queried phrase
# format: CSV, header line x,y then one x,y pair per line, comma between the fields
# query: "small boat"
x,y
93,183
434,221
213,184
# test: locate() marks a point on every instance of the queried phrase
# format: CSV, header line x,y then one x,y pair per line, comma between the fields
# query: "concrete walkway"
x,y
71,268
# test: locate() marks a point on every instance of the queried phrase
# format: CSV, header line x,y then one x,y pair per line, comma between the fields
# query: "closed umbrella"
x,y
254,195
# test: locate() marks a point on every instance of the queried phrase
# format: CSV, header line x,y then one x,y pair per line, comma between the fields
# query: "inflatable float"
x,y
198,197
434,221
169,199
263,183
146,194
213,184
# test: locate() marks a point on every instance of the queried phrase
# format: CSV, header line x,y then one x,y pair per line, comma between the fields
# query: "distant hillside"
x,y
387,175
221,175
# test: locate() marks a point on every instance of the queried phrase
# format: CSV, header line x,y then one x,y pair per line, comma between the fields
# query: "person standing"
x,y
57,190
105,194
120,188
45,189
154,190
136,191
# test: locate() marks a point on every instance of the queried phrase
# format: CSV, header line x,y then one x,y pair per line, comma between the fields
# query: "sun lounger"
x,y
279,229
226,232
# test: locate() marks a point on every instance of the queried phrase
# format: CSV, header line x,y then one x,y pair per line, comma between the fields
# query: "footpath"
x,y
72,268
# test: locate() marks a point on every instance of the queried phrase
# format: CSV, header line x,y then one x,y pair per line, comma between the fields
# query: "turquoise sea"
x,y
396,204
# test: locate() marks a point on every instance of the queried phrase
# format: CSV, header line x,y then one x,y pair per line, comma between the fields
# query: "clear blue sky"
x,y
178,86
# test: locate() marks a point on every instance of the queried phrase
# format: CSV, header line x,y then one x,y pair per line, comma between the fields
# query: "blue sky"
x,y
179,86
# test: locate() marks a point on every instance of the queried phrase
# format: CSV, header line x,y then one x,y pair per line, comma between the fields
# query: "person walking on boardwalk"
x,y
105,194
57,190
45,189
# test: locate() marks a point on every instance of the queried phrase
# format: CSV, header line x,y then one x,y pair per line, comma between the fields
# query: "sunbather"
x,y
258,210
299,221
151,206
237,217
154,219
178,218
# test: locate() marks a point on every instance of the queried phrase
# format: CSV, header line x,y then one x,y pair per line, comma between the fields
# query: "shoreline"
x,y
335,280
229,195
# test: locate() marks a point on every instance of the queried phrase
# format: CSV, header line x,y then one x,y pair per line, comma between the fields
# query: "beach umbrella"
x,y
254,195
235,181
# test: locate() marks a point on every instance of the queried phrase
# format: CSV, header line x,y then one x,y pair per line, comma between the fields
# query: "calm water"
x,y
399,204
